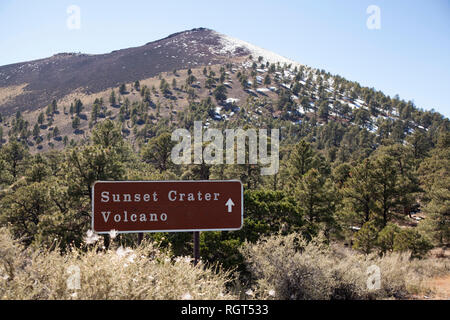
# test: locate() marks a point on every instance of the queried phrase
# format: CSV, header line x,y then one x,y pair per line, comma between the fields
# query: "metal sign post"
x,y
196,247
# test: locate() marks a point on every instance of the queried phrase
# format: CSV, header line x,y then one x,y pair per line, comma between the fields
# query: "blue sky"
x,y
408,55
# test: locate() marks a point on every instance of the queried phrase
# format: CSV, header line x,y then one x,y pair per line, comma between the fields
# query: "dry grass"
x,y
8,93
283,267
119,273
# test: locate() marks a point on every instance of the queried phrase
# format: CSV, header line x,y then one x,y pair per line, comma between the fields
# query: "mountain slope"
x,y
260,87
34,84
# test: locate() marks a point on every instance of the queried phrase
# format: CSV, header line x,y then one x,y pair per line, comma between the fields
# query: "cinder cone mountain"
x,y
34,84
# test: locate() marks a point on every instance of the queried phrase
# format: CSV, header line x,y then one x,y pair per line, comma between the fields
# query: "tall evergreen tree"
x,y
435,181
112,98
36,130
78,107
386,186
76,123
158,151
41,118
301,160
123,89
220,93
358,193
314,195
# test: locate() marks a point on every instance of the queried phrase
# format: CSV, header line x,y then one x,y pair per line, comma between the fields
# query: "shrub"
x,y
412,240
295,269
365,238
289,267
386,237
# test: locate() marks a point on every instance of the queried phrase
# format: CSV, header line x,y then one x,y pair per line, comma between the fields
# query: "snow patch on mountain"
x,y
230,46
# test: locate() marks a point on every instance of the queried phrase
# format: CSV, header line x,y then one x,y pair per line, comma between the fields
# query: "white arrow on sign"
x,y
230,205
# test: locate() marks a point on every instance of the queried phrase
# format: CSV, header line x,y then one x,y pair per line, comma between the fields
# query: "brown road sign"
x,y
167,206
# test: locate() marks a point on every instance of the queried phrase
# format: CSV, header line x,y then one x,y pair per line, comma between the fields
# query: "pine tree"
x,y
76,123
41,118
123,89
48,111
435,181
209,83
386,237
324,110
386,186
301,159
358,194
190,80
366,237
174,84
26,208
420,144
314,195
296,88
164,87
411,240
143,89
407,183
147,95
55,132
437,222
158,151
112,98
107,134
15,155
78,106
36,131
95,112
220,93
54,107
